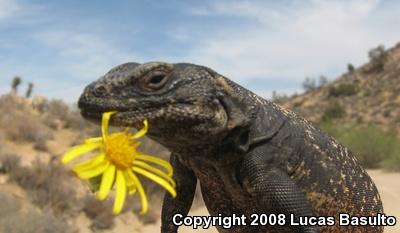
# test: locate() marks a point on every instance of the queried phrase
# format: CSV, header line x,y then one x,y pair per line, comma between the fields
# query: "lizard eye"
x,y
99,90
156,80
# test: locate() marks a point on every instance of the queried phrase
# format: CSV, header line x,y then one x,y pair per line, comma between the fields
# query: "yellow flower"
x,y
118,162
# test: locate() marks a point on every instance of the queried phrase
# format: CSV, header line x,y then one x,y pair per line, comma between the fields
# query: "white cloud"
x,y
80,56
83,55
276,40
198,11
8,9
292,41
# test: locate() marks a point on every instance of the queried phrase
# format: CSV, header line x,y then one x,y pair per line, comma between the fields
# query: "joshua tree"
x,y
29,90
15,83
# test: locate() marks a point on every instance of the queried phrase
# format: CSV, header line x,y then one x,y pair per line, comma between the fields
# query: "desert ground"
x,y
388,185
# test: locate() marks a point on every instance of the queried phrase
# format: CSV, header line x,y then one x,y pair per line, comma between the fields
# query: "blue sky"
x,y
264,45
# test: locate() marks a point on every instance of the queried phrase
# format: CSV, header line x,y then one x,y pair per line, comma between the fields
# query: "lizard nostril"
x,y
99,90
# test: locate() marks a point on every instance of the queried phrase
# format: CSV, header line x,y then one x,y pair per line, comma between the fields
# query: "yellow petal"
x,y
128,177
96,139
93,162
87,174
156,179
142,194
132,189
104,123
129,181
76,151
155,171
120,193
107,181
142,131
158,161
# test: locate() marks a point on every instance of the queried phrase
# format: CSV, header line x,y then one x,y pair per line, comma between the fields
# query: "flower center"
x,y
120,149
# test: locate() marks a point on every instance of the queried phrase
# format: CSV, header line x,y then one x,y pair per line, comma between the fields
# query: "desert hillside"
x,y
367,95
361,108
37,193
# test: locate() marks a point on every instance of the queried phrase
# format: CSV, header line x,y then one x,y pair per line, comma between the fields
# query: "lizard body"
x,y
249,154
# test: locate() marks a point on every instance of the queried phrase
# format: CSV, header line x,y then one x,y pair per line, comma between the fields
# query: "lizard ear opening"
x,y
235,117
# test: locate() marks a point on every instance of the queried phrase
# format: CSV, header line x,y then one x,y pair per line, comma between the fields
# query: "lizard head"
x,y
182,102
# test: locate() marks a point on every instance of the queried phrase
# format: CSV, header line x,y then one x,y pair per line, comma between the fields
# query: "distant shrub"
x,y
350,68
322,81
51,224
25,128
377,53
309,84
377,58
20,123
367,93
9,162
156,195
40,144
342,90
333,111
387,112
30,123
8,205
278,98
391,162
371,145
99,212
57,110
28,222
47,185
13,220
52,188
50,122
151,217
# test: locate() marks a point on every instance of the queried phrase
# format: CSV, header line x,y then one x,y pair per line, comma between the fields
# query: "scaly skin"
x,y
250,155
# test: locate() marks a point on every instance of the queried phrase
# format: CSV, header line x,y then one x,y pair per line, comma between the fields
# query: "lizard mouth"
x,y
118,119
178,112
124,116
